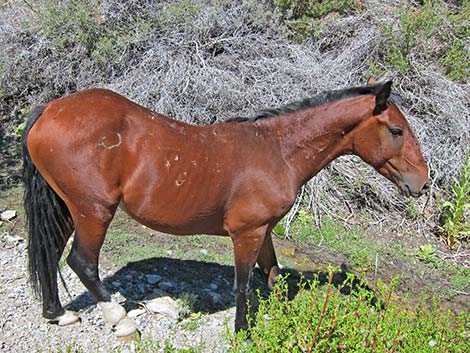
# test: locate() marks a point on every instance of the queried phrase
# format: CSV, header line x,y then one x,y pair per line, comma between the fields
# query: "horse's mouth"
x,y
398,179
408,192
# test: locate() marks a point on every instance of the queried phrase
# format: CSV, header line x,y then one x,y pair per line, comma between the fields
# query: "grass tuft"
x,y
456,217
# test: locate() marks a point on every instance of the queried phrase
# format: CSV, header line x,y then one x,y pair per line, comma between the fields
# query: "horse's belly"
x,y
180,221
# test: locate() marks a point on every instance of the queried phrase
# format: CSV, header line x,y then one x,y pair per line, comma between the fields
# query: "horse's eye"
x,y
396,131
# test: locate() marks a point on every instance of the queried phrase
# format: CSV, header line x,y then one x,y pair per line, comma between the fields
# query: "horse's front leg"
x,y
247,245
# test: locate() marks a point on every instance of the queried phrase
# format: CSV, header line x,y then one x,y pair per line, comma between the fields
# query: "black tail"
x,y
49,222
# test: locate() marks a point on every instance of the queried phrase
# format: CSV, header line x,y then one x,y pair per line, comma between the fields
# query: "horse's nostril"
x,y
425,188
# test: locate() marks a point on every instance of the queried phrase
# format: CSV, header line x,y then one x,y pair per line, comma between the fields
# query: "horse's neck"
x,y
310,139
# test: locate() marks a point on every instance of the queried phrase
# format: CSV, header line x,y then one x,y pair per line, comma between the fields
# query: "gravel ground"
x,y
24,330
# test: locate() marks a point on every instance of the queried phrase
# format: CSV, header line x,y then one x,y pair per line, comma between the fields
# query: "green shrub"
x,y
69,23
78,24
322,319
303,18
456,61
456,224
430,32
177,14
416,26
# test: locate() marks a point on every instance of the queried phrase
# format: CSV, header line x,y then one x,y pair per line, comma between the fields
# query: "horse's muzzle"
x,y
408,191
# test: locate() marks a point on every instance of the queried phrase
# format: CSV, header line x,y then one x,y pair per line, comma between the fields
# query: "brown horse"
x,y
88,153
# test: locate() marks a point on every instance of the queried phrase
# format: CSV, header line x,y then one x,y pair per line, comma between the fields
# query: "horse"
x,y
90,152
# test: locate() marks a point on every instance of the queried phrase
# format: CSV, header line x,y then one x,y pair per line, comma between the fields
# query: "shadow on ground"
x,y
209,284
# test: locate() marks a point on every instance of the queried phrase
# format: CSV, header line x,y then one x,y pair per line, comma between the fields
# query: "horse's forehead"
x,y
396,115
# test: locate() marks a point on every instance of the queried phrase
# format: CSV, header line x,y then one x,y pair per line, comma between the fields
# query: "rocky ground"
x,y
24,330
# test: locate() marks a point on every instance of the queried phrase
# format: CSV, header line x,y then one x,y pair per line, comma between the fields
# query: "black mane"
x,y
315,101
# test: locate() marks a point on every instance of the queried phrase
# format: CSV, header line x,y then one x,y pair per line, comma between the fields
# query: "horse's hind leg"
x,y
267,261
90,230
52,307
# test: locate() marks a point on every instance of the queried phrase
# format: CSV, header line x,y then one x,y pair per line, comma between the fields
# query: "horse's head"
x,y
385,141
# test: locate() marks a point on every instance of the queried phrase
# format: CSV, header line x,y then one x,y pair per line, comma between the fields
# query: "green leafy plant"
x,y
427,253
411,211
416,26
321,319
20,129
456,223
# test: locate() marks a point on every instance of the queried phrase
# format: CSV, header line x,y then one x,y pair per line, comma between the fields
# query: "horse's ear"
x,y
381,97
371,81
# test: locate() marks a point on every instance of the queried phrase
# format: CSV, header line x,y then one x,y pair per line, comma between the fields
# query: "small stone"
x,y
215,298
204,251
288,251
8,215
141,287
136,312
166,285
157,292
213,286
153,279
13,239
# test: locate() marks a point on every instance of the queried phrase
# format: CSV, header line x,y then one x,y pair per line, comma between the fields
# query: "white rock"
x,y
13,238
8,214
125,327
164,305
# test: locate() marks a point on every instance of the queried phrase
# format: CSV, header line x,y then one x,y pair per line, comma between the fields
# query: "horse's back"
x,y
78,143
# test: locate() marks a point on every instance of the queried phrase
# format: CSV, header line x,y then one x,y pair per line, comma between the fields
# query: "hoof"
x,y
125,327
130,338
67,318
112,312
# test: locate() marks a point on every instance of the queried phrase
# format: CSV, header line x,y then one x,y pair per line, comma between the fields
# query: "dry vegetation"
x,y
204,61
